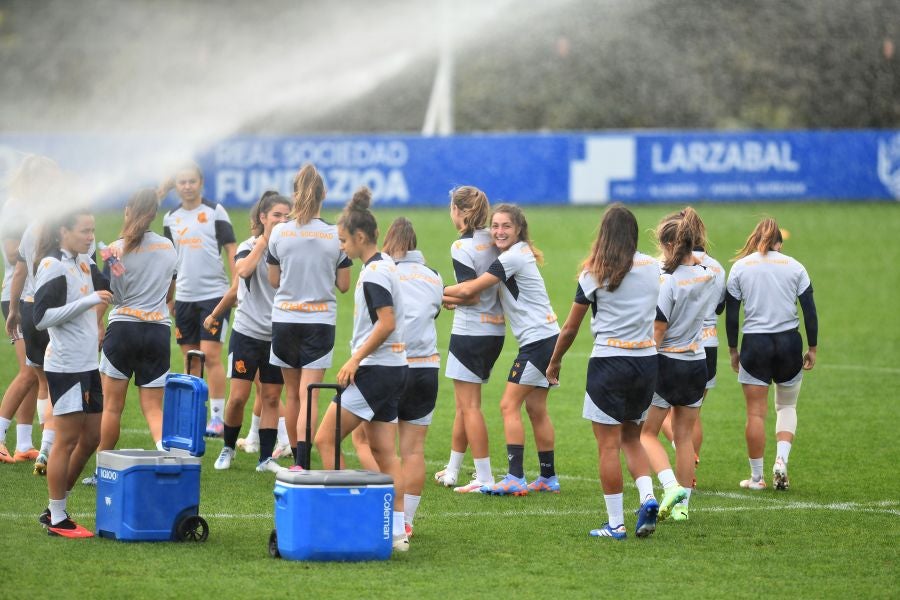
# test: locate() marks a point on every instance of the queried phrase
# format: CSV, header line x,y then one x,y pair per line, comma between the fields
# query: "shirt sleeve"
x,y
733,286
666,300
272,254
344,261
376,291
463,262
224,230
50,307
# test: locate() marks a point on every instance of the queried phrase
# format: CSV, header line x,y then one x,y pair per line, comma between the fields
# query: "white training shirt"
x,y
27,247
622,321
139,294
378,286
253,316
65,285
423,290
685,298
12,223
768,285
199,235
472,255
309,256
523,295
710,335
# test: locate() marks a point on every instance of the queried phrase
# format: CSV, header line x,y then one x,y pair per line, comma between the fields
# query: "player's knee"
x,y
786,407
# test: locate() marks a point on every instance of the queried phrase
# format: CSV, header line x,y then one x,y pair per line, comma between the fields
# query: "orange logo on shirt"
x,y
181,232
202,218
84,268
240,367
84,290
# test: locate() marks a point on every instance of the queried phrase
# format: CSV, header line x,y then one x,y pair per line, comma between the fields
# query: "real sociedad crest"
x,y
889,164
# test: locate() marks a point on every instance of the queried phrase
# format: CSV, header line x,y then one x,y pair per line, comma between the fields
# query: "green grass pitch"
x,y
834,534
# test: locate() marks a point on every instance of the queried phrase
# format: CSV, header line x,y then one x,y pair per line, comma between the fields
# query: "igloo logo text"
x,y
889,164
606,159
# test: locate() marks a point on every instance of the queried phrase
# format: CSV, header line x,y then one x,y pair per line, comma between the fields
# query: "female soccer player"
x,y
421,296
475,340
375,374
305,265
37,179
68,285
526,306
687,290
710,334
251,337
138,333
769,283
620,286
200,229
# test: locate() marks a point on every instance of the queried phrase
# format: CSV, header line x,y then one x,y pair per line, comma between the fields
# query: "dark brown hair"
x,y
49,240
612,254
358,217
262,207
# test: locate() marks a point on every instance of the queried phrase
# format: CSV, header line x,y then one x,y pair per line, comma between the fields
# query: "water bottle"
x,y
115,265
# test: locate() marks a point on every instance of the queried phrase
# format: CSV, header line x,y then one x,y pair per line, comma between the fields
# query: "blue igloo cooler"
x,y
332,515
152,495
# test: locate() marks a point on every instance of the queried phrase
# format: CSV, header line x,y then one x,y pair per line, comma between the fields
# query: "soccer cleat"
x,y
779,475
40,465
508,486
680,512
646,518
281,450
4,455
446,478
544,484
27,456
225,457
616,533
70,529
92,480
472,487
44,518
215,427
250,444
269,465
673,496
752,484
401,543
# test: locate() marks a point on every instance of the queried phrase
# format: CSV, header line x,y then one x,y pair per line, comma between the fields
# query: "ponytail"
x,y
400,238
473,204
309,193
676,236
141,210
765,236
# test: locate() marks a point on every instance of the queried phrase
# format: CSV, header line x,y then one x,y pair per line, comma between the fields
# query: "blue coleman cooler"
x,y
332,515
153,495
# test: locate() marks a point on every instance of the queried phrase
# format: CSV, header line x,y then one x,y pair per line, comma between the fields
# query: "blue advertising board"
x,y
552,168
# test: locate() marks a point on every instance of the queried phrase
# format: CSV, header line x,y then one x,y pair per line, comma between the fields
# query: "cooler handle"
x,y
337,421
194,354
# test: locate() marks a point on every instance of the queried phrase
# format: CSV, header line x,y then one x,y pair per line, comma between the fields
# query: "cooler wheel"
x,y
273,545
192,529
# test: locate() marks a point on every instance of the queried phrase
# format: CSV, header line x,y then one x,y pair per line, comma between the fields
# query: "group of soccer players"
x,y
653,321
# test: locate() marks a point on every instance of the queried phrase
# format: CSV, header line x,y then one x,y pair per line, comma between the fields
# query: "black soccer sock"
x,y
514,453
267,439
230,435
302,460
548,467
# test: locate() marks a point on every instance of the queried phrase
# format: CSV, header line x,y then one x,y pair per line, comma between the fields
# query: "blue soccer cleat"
x,y
616,533
545,484
508,486
646,518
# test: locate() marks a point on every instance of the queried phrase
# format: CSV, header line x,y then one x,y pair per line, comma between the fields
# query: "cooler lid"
x,y
346,478
119,460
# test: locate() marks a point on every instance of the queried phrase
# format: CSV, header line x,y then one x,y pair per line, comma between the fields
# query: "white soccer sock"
x,y
57,511
645,487
42,405
47,438
410,506
615,509
159,445
783,450
217,407
687,499
282,432
4,425
756,468
667,478
399,524
455,462
483,470
254,428
23,437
